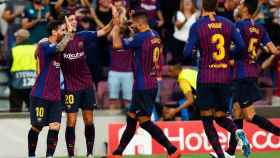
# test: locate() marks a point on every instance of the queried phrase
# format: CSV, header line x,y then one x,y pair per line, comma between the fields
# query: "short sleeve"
x,y
132,42
48,48
237,40
265,37
185,86
88,35
192,41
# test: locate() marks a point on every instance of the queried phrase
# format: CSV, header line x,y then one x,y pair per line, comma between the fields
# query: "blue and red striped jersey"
x,y
213,37
75,70
254,35
47,85
146,64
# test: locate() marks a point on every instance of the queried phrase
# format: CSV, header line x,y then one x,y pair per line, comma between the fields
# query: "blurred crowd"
x,y
24,22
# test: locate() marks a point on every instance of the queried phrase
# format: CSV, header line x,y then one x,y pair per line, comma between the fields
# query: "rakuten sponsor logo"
x,y
73,56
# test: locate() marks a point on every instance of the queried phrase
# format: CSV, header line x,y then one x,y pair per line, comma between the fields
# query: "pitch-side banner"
x,y
190,137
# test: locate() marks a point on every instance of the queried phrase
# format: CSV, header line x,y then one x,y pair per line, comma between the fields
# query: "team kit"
x,y
228,54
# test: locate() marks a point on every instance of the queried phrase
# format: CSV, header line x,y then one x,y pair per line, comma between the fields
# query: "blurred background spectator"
x,y
22,71
35,19
11,15
183,20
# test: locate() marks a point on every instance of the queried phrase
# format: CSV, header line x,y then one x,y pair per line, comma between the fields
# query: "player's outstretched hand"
x,y
68,25
115,12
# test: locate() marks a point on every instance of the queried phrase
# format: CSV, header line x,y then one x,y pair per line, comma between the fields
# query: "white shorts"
x,y
120,81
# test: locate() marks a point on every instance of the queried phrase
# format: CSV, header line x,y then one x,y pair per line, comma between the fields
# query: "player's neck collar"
x,y
211,15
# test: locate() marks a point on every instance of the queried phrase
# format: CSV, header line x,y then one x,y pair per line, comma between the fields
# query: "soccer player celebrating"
x,y
246,71
213,36
45,108
78,84
147,47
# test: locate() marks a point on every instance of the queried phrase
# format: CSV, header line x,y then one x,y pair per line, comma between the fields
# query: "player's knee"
x,y
54,126
237,112
88,121
249,116
249,113
71,122
37,128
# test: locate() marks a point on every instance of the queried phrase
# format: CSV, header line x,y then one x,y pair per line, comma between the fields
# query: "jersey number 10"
x,y
40,111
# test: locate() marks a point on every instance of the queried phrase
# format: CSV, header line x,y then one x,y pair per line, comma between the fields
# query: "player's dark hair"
x,y
209,5
54,25
140,14
251,5
63,14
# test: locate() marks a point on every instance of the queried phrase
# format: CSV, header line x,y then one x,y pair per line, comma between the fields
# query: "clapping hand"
x,y
68,25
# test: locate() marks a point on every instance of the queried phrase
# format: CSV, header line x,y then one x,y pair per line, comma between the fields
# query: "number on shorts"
x,y
40,111
69,99
219,40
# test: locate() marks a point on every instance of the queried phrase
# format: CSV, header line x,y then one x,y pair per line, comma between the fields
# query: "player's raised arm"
x,y
191,42
67,37
105,30
116,38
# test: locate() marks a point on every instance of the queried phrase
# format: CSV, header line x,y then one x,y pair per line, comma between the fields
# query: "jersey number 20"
x,y
219,40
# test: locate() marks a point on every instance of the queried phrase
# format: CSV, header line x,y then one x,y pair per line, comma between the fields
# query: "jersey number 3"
x,y
219,40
